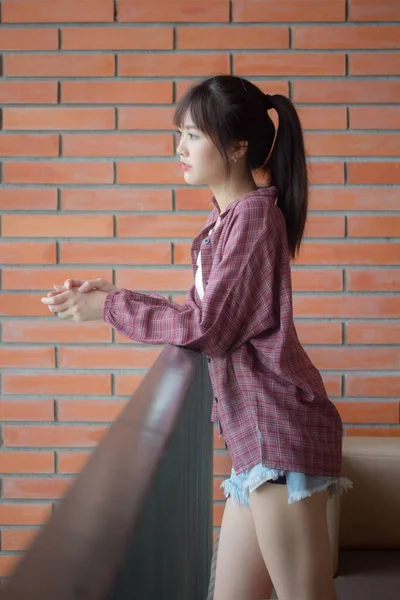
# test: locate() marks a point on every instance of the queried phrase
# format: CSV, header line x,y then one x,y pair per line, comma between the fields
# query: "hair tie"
x,y
268,101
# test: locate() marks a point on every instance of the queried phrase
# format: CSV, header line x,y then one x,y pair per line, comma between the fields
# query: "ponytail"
x,y
287,169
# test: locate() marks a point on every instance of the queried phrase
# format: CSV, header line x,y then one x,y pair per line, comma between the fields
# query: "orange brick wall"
x,y
90,187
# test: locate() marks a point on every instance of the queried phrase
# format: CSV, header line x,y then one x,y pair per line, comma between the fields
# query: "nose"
x,y
181,149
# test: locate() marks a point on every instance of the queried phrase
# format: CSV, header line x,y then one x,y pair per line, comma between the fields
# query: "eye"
x,y
191,136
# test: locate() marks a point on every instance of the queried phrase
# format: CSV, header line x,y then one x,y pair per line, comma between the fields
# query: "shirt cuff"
x,y
108,304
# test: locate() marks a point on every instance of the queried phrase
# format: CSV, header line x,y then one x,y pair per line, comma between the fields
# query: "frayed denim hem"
x,y
261,476
335,486
238,495
299,485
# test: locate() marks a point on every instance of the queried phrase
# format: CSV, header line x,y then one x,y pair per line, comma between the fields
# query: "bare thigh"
x,y
294,543
241,573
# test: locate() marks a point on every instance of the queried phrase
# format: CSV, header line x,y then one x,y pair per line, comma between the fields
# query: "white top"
x,y
198,280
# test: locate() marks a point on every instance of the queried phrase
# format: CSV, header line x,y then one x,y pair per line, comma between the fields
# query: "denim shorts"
x,y
299,485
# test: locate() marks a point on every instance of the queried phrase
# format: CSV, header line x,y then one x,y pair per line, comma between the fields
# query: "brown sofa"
x,y
365,522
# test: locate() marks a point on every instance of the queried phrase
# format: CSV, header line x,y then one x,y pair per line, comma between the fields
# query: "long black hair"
x,y
231,109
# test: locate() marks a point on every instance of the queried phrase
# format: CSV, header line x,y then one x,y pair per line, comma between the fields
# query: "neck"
x,y
232,190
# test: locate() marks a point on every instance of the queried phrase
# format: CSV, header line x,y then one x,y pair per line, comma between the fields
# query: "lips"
x,y
185,166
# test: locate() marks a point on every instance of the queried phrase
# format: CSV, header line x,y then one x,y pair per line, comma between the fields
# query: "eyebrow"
x,y
189,127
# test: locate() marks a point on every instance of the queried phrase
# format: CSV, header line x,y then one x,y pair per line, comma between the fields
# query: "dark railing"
x,y
137,522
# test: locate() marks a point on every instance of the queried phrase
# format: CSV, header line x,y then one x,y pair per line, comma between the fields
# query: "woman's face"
x,y
201,161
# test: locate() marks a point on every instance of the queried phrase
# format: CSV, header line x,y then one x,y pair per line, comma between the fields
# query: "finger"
x,y
88,286
60,289
70,315
65,314
58,298
97,284
92,284
57,308
70,283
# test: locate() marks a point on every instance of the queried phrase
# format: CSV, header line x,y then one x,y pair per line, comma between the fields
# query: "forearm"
x,y
153,319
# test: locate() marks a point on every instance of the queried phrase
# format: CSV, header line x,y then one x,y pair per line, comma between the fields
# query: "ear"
x,y
240,149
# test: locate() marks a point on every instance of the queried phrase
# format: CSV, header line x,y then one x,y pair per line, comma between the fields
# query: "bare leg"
x,y
241,573
294,542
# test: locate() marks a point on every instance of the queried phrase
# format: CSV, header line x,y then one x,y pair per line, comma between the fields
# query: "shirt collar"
x,y
269,192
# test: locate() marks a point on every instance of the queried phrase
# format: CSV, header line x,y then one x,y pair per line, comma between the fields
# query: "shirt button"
x,y
216,400
206,241
208,359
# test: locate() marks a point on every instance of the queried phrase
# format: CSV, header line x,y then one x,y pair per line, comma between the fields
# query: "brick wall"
x,y
90,187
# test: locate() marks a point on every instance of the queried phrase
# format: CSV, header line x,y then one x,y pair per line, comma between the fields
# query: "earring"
x,y
234,160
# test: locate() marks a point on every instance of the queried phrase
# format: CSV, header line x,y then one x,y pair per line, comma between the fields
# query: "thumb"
x,y
87,286
70,283
97,284
59,288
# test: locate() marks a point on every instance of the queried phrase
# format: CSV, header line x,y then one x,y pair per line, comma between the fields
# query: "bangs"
x,y
199,103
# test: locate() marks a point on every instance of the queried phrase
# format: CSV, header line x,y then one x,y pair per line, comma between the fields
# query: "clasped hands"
x,y
72,300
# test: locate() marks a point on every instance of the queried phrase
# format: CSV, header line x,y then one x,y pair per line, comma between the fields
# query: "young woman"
x,y
283,433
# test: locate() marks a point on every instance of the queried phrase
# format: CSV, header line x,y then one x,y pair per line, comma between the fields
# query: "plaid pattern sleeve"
x,y
238,302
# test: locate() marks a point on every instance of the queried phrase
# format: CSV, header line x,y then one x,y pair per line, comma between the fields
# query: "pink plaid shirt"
x,y
269,399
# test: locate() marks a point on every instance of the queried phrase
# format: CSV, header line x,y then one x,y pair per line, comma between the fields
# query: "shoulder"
x,y
260,206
